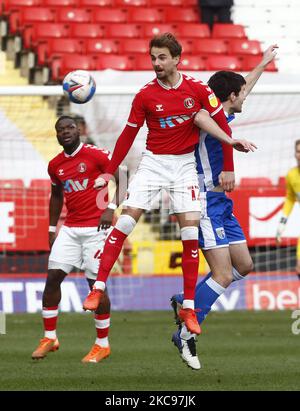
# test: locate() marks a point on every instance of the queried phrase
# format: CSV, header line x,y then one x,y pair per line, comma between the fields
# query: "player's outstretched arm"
x,y
206,123
55,206
254,75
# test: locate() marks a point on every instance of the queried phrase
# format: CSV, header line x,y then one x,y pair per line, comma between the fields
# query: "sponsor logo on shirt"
x,y
71,185
213,101
189,102
172,121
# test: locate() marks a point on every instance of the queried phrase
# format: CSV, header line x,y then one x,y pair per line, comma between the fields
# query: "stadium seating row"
x,y
9,4
45,184
62,64
49,48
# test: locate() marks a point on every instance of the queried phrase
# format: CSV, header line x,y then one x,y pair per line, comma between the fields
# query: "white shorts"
x,y
79,247
176,174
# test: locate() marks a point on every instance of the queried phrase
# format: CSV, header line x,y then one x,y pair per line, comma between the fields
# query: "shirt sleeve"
x,y
290,198
54,180
137,114
103,159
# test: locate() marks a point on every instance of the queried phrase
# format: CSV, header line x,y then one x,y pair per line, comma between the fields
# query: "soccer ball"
x,y
79,86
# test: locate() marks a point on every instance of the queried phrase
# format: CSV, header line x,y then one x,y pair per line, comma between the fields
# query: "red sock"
x,y
50,319
112,248
102,323
190,266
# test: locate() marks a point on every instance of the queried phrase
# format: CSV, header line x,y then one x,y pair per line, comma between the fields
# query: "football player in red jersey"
x,y
169,104
81,238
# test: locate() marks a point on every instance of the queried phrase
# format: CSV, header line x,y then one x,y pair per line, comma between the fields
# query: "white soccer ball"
x,y
79,86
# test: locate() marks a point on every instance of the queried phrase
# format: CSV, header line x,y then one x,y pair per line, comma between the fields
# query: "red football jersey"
x,y
77,173
169,113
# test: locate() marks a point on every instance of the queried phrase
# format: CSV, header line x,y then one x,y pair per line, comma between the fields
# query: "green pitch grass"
x,y
238,351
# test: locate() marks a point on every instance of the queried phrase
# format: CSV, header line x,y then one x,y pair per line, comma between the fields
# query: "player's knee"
x,y
125,224
246,267
54,279
223,278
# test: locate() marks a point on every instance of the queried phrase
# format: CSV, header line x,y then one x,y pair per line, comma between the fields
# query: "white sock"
x,y
103,342
51,334
236,275
99,285
188,304
216,287
185,334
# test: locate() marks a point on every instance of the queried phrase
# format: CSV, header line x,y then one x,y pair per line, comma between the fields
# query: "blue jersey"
x,y
209,160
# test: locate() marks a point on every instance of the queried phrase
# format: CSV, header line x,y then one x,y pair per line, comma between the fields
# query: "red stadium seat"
x,y
19,4
150,15
69,15
63,65
96,3
11,184
159,3
152,29
136,3
250,62
87,30
225,31
244,47
94,46
115,62
40,184
59,3
43,31
143,62
187,46
194,31
192,63
248,182
53,47
122,30
109,15
281,182
210,46
134,46
221,62
181,15
28,15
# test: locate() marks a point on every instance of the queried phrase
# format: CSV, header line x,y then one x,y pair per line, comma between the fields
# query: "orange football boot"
x,y
96,354
189,317
92,301
45,346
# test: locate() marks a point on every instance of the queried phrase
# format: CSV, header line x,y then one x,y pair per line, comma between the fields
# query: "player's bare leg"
x,y
51,299
189,223
241,260
101,349
112,248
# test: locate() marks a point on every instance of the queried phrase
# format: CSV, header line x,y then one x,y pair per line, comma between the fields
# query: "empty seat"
x,y
87,30
11,184
102,46
115,62
69,15
248,182
19,4
281,182
143,62
221,62
28,15
223,30
109,15
192,63
40,184
122,30
52,47
244,46
152,29
43,31
136,3
141,14
63,65
187,46
182,15
96,3
133,46
250,62
194,30
158,3
210,46
59,3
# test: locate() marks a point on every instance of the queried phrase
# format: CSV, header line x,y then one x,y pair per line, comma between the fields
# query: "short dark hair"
x,y
169,41
223,83
296,143
79,119
64,118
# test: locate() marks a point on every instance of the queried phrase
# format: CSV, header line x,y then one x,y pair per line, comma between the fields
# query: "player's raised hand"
x,y
243,145
227,180
270,54
100,182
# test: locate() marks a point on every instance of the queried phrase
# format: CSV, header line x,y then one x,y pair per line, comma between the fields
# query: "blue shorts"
x,y
218,226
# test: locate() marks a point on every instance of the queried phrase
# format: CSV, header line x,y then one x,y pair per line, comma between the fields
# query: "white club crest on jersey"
x,y
189,102
81,168
159,107
220,232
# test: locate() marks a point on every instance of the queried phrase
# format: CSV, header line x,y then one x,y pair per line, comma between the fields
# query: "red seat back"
x,y
223,30
210,46
221,62
70,14
50,47
244,47
94,46
194,31
192,63
108,15
115,62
